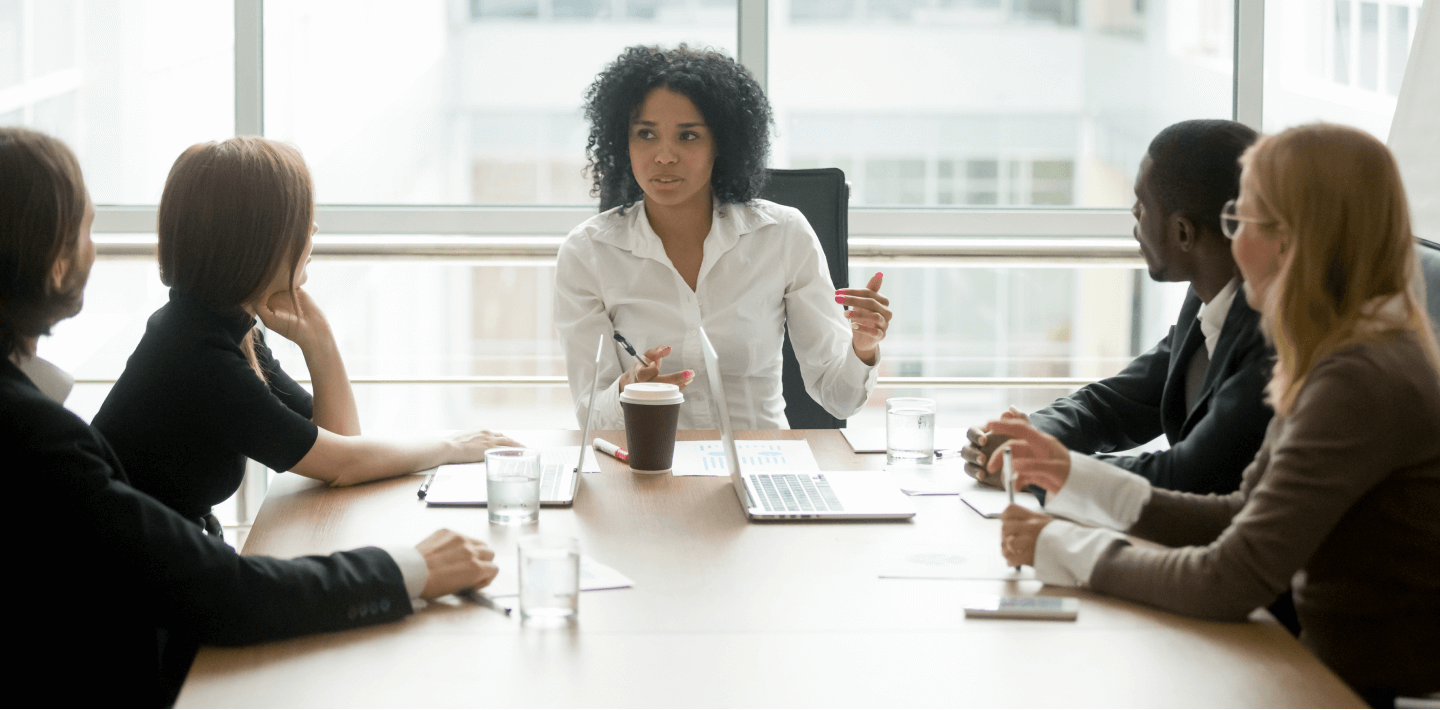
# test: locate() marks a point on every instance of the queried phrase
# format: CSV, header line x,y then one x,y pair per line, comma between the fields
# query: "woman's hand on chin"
x,y
302,323
869,317
651,372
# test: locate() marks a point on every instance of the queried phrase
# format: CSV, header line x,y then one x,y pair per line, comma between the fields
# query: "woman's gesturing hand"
x,y
300,322
868,315
651,372
1038,458
1019,531
470,446
455,563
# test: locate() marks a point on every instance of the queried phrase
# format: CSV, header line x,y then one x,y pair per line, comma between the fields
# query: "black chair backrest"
x,y
822,196
1429,253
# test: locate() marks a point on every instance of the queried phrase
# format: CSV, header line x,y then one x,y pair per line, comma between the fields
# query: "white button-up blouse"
x,y
763,268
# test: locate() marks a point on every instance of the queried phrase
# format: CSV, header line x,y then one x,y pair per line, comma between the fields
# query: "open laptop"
x,y
823,495
464,484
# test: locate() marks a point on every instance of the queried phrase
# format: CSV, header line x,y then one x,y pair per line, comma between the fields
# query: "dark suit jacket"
x,y
1209,445
109,590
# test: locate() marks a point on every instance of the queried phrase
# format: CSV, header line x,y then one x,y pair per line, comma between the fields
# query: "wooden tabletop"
x,y
725,612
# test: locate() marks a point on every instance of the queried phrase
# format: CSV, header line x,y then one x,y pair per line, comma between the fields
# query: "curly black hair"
x,y
726,94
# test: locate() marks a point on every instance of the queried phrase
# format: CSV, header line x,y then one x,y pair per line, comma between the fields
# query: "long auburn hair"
x,y
1335,194
235,213
42,206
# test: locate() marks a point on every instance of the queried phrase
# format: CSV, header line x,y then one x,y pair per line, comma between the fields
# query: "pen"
x,y
1009,477
613,450
474,596
630,348
425,487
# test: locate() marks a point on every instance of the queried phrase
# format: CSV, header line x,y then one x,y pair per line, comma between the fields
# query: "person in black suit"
x,y
111,591
1202,385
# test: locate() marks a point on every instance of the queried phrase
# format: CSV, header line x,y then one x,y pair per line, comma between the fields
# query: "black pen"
x,y
425,487
474,596
630,348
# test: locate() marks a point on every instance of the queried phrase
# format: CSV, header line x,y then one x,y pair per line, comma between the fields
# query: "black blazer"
x,y
110,590
1209,446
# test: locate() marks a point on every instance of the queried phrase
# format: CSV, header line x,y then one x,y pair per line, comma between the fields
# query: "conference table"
x,y
724,612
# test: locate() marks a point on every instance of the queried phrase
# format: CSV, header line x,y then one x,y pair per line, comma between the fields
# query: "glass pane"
x,y
439,102
1341,62
992,102
128,84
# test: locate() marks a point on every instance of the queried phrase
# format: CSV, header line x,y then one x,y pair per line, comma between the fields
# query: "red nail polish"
x,y
840,299
849,314
689,374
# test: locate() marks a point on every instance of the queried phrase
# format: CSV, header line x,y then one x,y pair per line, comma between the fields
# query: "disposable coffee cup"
x,y
652,410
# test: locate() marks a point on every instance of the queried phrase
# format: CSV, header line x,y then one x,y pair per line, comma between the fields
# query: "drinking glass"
x,y
549,580
909,430
512,485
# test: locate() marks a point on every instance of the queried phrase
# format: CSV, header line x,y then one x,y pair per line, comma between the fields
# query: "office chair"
x,y
823,197
1429,253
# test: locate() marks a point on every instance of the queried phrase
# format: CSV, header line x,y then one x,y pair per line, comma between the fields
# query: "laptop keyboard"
x,y
551,477
795,493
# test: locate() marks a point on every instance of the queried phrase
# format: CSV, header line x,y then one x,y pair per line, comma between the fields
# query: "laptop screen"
x,y
727,438
590,408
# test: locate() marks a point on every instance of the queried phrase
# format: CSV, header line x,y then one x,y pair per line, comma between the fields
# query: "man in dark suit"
x,y
1203,385
110,590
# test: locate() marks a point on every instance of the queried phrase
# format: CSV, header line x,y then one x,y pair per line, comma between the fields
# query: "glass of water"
x,y
512,485
549,580
909,430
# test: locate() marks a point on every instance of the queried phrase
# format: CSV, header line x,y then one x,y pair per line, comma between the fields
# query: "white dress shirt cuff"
x,y
608,414
1066,553
412,568
857,371
1099,494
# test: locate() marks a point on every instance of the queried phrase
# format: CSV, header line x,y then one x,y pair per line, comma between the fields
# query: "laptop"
x,y
463,485
802,495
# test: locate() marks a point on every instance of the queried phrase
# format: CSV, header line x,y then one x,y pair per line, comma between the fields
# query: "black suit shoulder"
x,y
119,575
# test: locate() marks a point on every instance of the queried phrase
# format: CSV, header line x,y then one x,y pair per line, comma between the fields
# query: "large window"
x,y
992,102
435,102
127,83
1336,60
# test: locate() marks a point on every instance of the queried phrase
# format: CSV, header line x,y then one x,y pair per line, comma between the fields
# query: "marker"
x,y
613,450
630,348
1009,477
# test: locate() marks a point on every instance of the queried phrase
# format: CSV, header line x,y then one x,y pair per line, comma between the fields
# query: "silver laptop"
x,y
825,495
464,484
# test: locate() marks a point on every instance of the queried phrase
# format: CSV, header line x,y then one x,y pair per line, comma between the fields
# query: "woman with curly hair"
x,y
677,148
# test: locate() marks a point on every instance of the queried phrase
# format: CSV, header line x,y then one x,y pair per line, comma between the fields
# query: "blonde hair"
x,y
1335,196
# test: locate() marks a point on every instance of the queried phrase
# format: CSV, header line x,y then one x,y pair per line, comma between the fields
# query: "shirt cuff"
x,y
857,371
608,414
1099,494
412,568
1066,553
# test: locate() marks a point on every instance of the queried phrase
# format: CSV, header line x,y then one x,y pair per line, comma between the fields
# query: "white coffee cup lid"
x,y
652,393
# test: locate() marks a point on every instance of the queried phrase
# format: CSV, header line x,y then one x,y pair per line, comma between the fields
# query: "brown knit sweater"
x,y
1342,501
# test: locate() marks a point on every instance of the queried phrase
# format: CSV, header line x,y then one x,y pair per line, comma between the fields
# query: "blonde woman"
x,y
1344,494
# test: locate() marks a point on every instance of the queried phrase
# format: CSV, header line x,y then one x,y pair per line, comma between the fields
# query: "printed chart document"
x,y
990,502
872,440
707,458
951,563
593,577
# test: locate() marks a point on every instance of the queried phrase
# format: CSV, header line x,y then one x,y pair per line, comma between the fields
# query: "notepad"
x,y
707,458
594,577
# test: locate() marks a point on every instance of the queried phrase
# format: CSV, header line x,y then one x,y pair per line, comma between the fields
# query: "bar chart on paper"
x,y
707,458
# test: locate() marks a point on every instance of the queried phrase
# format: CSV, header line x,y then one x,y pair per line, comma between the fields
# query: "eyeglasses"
x,y
1230,220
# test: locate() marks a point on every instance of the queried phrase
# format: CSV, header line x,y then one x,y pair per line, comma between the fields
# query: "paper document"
x,y
990,502
872,441
940,480
707,458
593,578
951,563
